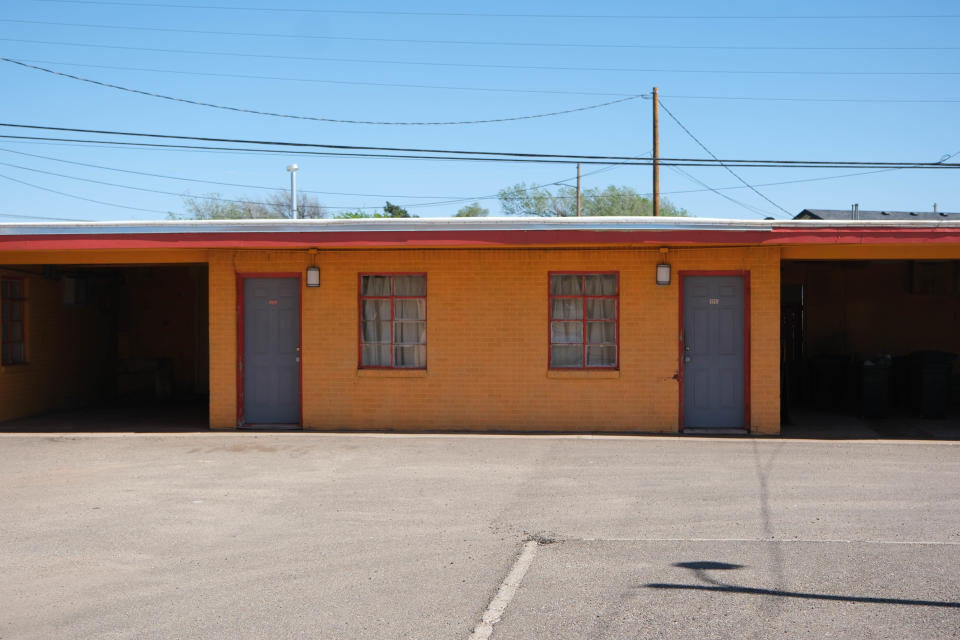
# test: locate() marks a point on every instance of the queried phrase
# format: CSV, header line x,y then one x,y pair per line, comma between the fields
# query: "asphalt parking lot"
x,y
291,535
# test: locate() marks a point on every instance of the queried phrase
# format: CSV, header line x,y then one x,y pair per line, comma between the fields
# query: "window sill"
x,y
583,374
391,373
12,369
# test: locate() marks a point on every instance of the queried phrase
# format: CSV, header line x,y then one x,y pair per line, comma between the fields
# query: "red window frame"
x,y
583,297
8,346
392,297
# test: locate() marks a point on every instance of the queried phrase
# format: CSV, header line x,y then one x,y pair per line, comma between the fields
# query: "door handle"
x,y
687,358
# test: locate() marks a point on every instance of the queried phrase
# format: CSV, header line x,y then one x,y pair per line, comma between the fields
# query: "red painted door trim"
x,y
746,340
241,277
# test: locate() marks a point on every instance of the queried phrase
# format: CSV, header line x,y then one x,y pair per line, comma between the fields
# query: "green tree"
x,y
390,210
523,200
213,206
472,211
395,211
354,215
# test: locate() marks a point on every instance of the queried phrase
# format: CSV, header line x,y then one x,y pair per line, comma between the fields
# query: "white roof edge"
x,y
621,223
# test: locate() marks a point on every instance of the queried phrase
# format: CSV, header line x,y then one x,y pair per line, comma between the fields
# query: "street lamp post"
x,y
292,168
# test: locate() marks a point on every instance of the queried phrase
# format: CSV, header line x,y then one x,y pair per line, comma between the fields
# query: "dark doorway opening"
x,y
115,346
869,348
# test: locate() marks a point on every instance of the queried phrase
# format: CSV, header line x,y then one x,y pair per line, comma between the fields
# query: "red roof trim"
x,y
477,238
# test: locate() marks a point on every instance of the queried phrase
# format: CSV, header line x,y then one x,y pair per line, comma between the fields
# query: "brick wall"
x,y
487,338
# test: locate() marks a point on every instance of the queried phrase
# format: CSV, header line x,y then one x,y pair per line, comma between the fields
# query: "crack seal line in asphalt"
x,y
508,588
770,540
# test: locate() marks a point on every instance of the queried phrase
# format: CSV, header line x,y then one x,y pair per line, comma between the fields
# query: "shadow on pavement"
x,y
700,567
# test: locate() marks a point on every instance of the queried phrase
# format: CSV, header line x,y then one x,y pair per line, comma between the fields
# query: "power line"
x,y
944,158
573,158
345,154
337,154
732,172
126,186
494,43
447,198
214,182
507,156
313,118
459,14
24,216
443,199
707,187
451,200
214,198
241,54
800,99
243,76
414,205
665,162
71,195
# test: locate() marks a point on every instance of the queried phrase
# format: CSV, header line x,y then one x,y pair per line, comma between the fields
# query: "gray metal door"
x,y
271,351
713,356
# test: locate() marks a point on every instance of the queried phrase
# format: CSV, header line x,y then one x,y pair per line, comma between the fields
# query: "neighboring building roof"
x,y
468,232
861,214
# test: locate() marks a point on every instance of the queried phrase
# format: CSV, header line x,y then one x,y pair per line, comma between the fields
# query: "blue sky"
x,y
781,129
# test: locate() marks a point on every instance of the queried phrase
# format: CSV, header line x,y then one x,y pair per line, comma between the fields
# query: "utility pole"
x,y
578,190
292,168
656,153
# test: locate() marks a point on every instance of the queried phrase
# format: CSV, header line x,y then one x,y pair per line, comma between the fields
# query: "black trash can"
x,y
930,381
875,388
828,381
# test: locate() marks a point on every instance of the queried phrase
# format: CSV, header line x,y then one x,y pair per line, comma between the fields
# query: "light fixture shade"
x,y
663,274
313,276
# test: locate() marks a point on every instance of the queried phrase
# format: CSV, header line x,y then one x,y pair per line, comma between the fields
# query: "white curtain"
x,y
394,328
573,342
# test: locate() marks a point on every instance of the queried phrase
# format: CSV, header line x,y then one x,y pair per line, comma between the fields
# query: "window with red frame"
x,y
393,321
584,329
12,304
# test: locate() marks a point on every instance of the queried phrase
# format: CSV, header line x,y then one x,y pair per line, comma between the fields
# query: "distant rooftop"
x,y
862,214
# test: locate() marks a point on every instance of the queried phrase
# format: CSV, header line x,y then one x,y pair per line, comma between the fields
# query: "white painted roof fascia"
x,y
626,223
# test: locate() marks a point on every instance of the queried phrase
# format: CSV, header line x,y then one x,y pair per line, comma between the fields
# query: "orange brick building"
x,y
460,324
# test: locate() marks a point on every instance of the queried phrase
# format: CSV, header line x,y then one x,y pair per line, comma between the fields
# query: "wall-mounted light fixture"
x,y
313,276
313,271
663,274
663,269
